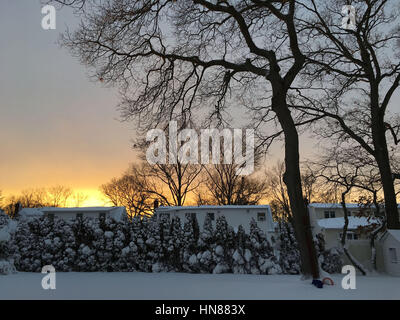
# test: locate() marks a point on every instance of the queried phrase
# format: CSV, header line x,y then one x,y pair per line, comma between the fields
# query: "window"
x,y
79,215
393,255
329,214
350,236
261,216
211,215
164,216
102,215
190,215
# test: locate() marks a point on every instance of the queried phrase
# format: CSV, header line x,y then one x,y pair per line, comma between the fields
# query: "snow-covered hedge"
x,y
149,245
7,228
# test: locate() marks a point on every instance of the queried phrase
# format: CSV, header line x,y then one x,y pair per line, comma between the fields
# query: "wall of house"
x,y
234,217
72,215
361,250
389,266
380,260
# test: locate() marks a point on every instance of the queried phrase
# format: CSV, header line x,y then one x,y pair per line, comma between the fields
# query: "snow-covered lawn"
x,y
182,286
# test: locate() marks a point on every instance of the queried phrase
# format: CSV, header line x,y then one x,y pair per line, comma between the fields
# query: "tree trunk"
x,y
352,259
292,179
383,161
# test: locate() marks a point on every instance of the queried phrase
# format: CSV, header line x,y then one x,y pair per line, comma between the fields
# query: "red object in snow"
x,y
328,281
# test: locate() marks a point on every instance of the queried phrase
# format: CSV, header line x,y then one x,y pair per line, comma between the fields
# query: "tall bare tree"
x,y
356,65
172,57
343,175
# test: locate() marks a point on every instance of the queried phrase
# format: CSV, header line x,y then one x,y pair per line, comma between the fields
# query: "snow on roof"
x,y
117,212
336,205
30,212
333,205
80,209
394,233
338,223
210,207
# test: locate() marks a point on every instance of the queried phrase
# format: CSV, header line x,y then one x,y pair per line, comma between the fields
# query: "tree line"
x,y
55,196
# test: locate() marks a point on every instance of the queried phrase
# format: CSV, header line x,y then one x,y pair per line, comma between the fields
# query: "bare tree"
x,y
224,187
277,191
209,50
335,171
350,170
28,198
1,198
58,196
278,195
172,181
79,198
31,198
357,69
171,184
128,191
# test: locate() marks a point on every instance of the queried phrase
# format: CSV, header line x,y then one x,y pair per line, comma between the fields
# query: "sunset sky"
x,y
56,126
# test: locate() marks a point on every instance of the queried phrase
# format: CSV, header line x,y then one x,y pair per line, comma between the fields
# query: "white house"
x,y
235,215
328,219
117,213
388,252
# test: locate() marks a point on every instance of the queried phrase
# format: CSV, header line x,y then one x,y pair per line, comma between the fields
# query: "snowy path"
x,y
138,285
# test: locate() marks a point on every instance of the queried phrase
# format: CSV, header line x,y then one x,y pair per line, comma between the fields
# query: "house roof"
x,y
333,205
394,233
338,223
336,205
117,212
210,207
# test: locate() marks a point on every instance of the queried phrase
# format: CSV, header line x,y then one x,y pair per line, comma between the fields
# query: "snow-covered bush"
x,y
206,245
191,239
7,228
289,255
330,260
263,260
156,245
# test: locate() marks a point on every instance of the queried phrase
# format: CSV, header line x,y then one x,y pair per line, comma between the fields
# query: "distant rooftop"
x,y
338,223
213,207
32,212
334,205
394,233
337,205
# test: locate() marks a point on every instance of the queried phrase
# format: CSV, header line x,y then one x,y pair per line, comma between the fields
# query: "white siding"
x,y
234,216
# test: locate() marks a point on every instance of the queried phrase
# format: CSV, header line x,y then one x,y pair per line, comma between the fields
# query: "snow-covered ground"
x,y
182,286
